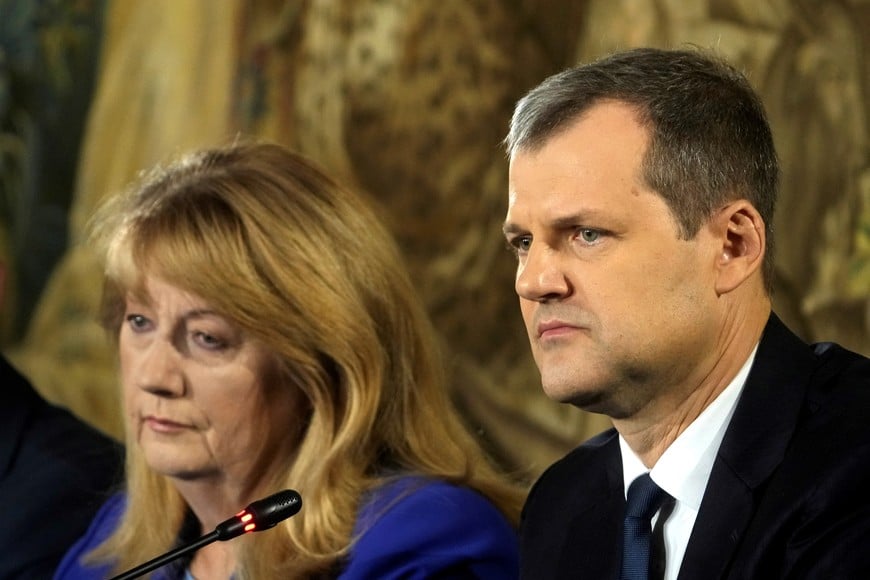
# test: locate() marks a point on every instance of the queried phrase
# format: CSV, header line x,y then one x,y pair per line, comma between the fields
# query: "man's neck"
x,y
654,428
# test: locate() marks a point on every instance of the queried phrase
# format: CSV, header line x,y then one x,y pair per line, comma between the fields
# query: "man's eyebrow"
x,y
510,228
558,223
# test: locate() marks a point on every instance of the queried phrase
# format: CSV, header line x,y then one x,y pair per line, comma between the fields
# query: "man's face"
x,y
617,307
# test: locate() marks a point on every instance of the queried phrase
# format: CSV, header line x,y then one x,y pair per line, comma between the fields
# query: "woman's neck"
x,y
213,502
215,561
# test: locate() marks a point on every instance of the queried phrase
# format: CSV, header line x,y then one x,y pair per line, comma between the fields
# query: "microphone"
x,y
258,516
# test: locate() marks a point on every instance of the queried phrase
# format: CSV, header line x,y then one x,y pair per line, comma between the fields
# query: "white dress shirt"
x,y
685,466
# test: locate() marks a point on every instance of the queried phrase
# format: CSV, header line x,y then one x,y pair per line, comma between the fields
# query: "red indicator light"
x,y
250,527
247,517
240,513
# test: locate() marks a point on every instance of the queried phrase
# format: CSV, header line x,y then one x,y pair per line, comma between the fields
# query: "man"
x,y
642,189
55,472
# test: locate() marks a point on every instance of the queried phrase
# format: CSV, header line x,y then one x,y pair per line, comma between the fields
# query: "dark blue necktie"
x,y
644,499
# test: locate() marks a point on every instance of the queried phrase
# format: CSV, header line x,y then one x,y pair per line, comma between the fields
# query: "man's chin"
x,y
593,401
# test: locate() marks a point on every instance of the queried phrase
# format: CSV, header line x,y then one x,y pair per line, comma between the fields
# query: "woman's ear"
x,y
743,243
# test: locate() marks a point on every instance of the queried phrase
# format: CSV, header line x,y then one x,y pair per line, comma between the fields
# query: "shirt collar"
x,y
685,466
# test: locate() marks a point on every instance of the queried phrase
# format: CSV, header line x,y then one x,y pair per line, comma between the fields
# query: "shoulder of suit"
x,y
591,454
841,380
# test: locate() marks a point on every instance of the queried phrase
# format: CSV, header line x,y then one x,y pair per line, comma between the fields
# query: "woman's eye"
x,y
137,322
208,341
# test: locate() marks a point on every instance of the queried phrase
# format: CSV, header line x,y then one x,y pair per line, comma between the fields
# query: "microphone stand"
x,y
256,517
159,561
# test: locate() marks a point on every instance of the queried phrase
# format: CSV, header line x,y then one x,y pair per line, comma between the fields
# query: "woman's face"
x,y
202,399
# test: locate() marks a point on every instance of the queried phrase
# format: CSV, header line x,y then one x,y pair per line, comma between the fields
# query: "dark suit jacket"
x,y
55,472
787,497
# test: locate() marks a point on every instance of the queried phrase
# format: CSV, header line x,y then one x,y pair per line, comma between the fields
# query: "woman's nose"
x,y
159,369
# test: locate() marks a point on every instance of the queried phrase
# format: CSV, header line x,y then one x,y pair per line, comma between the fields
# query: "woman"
x,y
270,338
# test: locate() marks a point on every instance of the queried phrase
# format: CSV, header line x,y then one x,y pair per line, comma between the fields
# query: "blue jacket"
x,y
412,528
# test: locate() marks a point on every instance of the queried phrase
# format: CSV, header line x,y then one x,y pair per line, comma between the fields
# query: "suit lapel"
x,y
753,447
594,542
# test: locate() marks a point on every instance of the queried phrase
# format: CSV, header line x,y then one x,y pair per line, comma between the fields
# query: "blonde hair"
x,y
308,269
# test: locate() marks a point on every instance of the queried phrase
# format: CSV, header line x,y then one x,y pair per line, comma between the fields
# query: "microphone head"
x,y
275,508
261,515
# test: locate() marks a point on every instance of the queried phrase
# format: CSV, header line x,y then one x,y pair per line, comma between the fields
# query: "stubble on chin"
x,y
587,387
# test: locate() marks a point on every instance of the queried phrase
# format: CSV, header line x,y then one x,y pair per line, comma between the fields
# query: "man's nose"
x,y
540,276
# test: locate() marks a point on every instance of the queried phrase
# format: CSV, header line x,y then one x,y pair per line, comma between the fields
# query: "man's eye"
x,y
588,235
520,244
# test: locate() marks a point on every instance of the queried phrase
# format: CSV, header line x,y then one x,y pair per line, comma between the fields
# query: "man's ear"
x,y
743,240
